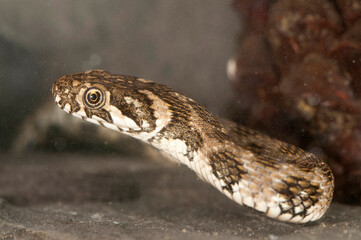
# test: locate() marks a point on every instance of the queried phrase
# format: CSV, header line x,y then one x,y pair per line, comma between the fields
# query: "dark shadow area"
x,y
20,89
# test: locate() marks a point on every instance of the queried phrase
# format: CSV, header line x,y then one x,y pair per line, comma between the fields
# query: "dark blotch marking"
x,y
313,191
136,113
179,127
226,167
101,113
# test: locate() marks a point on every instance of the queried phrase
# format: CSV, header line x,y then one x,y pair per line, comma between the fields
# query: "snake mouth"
x,y
57,93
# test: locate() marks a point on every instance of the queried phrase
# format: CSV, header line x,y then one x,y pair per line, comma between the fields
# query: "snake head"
x,y
80,91
118,102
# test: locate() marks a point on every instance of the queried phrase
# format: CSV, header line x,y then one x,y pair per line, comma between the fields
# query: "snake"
x,y
273,177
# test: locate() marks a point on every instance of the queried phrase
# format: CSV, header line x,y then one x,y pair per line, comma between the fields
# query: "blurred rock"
x,y
309,93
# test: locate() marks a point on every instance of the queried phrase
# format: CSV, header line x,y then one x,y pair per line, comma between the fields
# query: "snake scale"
x,y
255,170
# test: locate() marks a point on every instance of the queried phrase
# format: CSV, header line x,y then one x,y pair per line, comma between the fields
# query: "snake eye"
x,y
94,98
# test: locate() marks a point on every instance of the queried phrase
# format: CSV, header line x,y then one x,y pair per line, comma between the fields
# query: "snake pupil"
x,y
94,97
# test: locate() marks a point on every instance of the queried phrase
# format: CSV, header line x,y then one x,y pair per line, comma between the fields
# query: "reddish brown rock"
x,y
308,85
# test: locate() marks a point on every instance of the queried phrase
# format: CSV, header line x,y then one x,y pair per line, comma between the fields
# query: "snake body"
x,y
252,169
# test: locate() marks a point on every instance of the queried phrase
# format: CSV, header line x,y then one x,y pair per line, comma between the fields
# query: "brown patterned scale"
x,y
253,169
